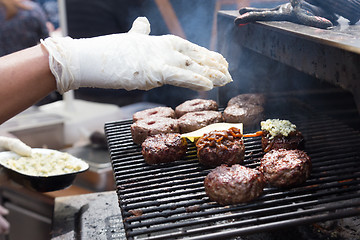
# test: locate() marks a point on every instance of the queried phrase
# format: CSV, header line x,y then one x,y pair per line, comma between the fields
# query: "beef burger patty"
x,y
163,148
232,185
284,168
221,147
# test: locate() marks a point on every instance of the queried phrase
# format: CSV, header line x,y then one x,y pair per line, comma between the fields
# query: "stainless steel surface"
x,y
100,176
37,129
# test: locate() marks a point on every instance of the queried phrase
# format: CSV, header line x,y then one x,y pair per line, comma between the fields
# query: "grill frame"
x,y
169,201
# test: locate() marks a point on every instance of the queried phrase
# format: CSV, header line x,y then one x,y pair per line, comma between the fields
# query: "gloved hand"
x,y
297,11
134,60
15,145
4,225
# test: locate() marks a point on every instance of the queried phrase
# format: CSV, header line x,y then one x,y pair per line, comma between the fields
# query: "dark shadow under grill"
x,y
168,201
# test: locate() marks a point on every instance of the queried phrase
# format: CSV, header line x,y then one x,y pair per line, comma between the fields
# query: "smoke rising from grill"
x,y
254,72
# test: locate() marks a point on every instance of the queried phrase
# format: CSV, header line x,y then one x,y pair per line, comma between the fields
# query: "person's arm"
x,y
25,78
133,60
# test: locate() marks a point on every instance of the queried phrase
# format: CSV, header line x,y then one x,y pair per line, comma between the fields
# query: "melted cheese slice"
x,y
193,136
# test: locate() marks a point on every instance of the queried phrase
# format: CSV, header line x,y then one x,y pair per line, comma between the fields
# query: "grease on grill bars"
x,y
169,201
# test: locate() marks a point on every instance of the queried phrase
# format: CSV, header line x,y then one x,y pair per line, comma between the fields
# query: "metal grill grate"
x,y
169,201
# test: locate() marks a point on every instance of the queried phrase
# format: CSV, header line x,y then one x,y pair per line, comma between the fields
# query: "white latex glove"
x,y
4,225
15,145
134,60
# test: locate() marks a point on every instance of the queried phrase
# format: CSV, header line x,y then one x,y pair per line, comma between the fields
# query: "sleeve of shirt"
x,y
40,15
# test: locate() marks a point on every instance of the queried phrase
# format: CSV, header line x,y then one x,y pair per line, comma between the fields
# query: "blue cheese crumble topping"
x,y
277,127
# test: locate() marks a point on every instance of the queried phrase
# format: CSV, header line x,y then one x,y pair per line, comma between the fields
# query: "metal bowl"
x,y
42,183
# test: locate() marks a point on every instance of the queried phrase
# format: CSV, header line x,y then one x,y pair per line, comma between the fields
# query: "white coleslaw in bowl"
x,y
43,162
